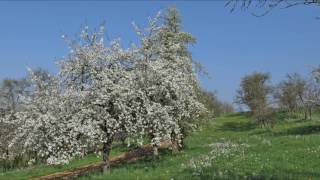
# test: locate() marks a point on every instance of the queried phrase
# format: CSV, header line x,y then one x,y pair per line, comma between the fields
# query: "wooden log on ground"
x,y
127,157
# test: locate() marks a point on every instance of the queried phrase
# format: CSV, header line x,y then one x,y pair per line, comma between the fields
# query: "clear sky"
x,y
229,45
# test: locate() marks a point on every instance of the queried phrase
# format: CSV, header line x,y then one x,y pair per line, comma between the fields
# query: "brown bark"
x,y
305,115
106,149
174,146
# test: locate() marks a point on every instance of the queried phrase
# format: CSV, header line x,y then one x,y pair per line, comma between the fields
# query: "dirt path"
x,y
127,157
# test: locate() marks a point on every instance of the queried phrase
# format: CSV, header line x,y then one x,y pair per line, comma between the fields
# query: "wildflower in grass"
x,y
217,150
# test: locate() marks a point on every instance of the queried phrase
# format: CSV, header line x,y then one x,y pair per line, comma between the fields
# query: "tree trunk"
x,y
182,137
310,113
305,115
106,156
174,146
155,150
123,139
154,146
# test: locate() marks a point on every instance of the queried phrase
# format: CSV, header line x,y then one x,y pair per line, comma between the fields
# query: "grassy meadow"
x,y
228,147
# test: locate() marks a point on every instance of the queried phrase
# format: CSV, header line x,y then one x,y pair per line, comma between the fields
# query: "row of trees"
x,y
148,91
212,102
293,94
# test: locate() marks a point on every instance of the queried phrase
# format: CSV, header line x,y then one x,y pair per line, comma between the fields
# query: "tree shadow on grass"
x,y
237,126
303,130
245,114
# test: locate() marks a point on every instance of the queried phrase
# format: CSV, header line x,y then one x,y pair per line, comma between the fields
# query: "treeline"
x,y
294,95
214,104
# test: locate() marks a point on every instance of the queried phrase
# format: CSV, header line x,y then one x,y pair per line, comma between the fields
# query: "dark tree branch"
x,y
269,5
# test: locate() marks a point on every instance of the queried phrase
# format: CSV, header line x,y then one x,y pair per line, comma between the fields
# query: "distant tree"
x,y
10,103
312,94
10,90
296,94
289,92
213,104
42,75
9,95
254,92
227,108
316,74
311,98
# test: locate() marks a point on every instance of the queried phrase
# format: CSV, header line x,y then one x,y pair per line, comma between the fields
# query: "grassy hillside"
x,y
229,147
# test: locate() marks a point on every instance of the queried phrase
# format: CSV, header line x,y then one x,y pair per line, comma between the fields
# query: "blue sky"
x,y
229,45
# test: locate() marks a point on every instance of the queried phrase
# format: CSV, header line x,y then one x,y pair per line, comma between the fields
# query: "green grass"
x,y
291,150
41,170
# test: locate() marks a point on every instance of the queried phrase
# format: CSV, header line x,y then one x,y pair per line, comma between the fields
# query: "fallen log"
x,y
127,157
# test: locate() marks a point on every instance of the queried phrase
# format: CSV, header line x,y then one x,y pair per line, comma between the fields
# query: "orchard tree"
x,y
297,94
10,92
254,92
311,95
311,98
9,95
146,90
166,77
10,103
316,74
97,76
42,128
290,91
174,43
